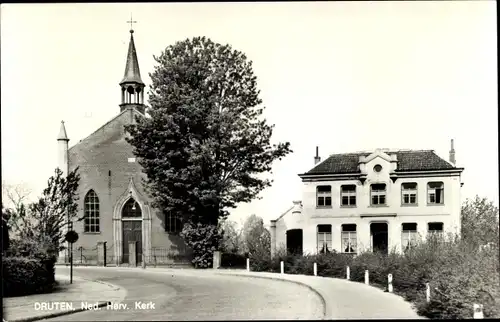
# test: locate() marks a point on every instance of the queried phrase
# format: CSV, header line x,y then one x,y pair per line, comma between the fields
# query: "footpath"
x,y
66,299
342,299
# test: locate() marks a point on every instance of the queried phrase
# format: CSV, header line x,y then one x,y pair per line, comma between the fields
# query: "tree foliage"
x,y
480,221
231,239
5,229
42,221
204,240
205,142
16,198
256,237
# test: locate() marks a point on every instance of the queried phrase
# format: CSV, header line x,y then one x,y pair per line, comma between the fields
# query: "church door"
x,y
132,229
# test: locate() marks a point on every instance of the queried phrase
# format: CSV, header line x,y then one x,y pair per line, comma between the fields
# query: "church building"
x,y
112,199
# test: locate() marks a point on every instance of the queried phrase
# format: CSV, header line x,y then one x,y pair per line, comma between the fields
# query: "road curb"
x,y
326,308
113,286
57,314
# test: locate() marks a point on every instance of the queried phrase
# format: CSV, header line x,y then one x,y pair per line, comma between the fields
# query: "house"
x,y
113,202
379,201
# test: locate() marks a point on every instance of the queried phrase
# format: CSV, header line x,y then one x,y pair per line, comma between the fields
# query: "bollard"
x,y
248,264
315,269
348,273
478,311
427,292
367,278
389,280
282,267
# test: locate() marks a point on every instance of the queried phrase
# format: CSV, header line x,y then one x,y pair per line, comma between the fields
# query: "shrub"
x,y
203,240
333,264
25,276
461,277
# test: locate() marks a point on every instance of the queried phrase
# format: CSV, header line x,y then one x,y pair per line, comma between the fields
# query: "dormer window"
x,y
377,168
324,196
378,194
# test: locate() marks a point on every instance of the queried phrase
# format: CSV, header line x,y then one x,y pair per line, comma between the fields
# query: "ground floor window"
x,y
349,238
409,236
435,229
324,239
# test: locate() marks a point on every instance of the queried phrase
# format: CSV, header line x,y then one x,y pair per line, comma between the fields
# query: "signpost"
x,y
71,237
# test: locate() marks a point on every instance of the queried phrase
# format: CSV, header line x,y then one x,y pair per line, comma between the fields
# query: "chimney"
x,y
317,159
452,154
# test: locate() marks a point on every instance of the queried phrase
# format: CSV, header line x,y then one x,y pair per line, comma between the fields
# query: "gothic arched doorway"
x,y
131,228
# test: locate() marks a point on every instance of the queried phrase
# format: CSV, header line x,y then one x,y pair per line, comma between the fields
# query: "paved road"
x,y
185,295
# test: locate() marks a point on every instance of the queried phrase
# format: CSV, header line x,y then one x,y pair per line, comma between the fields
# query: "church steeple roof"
x,y
62,133
132,72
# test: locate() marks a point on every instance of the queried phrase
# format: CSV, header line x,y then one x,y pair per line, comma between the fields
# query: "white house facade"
x,y
378,201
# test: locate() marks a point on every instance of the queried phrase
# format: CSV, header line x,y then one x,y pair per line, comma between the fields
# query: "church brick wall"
x,y
103,164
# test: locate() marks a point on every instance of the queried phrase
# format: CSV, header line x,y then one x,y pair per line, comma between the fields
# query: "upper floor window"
x,y
91,213
378,193
435,193
409,193
348,195
324,196
173,223
349,238
409,235
324,239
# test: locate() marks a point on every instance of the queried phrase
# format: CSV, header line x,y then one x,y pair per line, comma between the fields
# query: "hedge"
x,y
458,274
25,276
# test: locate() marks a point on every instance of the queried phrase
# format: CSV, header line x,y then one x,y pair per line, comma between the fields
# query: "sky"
x,y
344,76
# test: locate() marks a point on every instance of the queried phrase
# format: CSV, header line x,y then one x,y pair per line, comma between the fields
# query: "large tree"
x,y
205,144
480,221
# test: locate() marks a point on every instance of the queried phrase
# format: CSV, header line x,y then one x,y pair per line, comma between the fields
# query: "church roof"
x,y
408,160
132,72
62,133
109,125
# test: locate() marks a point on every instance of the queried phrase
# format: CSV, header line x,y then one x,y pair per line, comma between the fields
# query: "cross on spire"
x,y
131,22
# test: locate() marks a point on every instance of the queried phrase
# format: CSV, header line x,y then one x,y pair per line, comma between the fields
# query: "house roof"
x,y
409,160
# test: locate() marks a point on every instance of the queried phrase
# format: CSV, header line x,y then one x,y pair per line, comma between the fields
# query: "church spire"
x,y
132,86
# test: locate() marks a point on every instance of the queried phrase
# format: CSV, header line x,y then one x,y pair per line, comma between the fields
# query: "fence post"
x,y
105,253
367,278
315,267
348,273
282,264
389,280
248,264
427,292
478,311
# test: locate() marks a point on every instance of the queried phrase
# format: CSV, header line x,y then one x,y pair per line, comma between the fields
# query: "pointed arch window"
x,y
91,213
